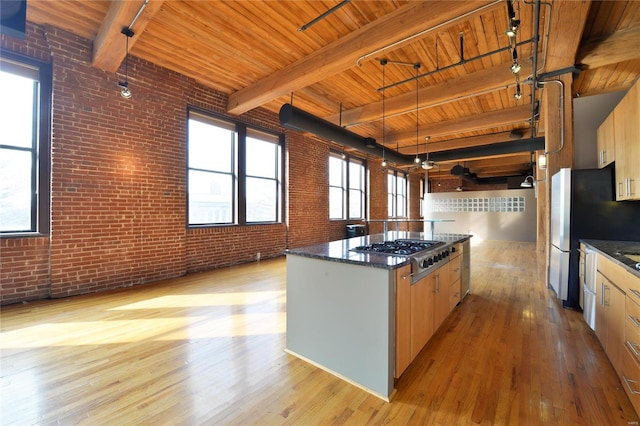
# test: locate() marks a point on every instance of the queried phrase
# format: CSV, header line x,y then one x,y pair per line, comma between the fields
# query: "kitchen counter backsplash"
x,y
616,251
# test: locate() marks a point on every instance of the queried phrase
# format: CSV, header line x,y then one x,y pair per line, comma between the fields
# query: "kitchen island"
x,y
344,312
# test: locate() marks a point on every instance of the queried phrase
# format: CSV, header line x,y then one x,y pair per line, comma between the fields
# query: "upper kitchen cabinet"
x,y
606,145
626,117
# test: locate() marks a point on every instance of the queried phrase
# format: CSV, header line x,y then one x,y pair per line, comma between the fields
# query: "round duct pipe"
x,y
296,119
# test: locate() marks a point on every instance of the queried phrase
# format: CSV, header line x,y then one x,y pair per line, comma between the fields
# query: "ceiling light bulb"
x,y
384,163
517,96
125,93
512,32
417,160
515,68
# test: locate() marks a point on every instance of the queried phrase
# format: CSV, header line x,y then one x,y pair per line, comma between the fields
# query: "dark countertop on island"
x,y
614,250
340,251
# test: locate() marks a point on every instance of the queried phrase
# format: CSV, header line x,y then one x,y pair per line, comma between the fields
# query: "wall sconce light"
x,y
542,161
528,182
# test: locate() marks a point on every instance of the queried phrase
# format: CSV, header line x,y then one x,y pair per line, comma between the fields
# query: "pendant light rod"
x,y
461,62
135,18
323,15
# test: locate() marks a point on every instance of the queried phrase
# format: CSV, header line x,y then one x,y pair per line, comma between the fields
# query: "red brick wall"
x,y
118,189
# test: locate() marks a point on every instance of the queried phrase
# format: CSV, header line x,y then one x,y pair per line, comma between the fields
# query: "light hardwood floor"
x,y
208,349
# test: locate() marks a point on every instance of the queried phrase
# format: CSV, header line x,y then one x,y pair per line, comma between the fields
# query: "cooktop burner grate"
x,y
398,247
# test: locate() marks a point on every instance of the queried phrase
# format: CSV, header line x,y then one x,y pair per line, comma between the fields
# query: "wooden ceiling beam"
x,y
109,43
617,47
482,121
568,19
473,84
343,53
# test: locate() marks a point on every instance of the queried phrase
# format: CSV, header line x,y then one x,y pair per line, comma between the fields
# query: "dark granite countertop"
x,y
339,251
615,251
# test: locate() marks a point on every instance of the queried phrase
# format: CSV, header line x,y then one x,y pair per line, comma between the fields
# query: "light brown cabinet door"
x,y
422,297
615,308
627,145
605,141
403,319
440,284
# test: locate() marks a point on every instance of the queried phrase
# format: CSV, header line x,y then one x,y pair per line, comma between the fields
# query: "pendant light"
x,y
383,62
417,160
124,85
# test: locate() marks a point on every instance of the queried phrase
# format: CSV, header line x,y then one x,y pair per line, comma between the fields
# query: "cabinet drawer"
x,y
622,278
631,379
455,266
632,327
454,294
456,250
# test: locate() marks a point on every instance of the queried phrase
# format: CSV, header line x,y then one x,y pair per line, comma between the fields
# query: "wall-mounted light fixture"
x,y
528,182
542,161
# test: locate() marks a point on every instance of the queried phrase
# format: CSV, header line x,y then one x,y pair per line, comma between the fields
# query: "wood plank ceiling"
x,y
255,52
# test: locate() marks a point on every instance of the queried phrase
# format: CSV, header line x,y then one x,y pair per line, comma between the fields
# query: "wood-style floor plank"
x,y
208,349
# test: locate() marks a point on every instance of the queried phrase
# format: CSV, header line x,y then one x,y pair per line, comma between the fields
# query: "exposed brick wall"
x,y
118,188
25,268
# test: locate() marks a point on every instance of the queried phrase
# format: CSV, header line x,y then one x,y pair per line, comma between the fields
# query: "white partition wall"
x,y
508,214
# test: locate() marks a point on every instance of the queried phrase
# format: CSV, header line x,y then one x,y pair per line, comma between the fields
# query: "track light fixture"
x,y
514,24
383,62
124,85
518,95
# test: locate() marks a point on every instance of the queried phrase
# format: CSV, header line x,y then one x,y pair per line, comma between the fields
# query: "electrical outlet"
x,y
258,256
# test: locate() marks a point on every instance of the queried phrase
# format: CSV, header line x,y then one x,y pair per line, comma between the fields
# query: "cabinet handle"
x,y
634,321
636,293
438,283
633,348
620,189
627,382
630,192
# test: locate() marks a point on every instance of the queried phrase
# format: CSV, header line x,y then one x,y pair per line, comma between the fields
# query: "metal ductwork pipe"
x,y
296,119
524,145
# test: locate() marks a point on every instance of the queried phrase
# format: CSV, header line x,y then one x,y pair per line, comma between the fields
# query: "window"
x,y
234,173
25,113
397,194
263,177
356,189
337,187
346,187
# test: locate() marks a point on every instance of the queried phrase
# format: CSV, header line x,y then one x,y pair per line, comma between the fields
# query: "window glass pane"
x,y
16,116
356,175
336,171
210,197
336,203
355,204
210,147
15,190
261,158
261,200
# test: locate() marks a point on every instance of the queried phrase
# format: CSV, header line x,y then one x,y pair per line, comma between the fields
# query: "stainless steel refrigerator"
x,y
583,207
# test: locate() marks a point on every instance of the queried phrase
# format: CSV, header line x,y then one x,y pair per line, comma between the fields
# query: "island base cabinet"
x,y
422,303
403,320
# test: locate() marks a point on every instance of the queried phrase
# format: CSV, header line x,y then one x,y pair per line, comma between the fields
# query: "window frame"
x,y
346,161
239,202
41,146
394,194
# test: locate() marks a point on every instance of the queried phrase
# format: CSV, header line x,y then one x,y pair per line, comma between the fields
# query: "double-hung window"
x,y
234,173
263,172
25,117
397,194
347,190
